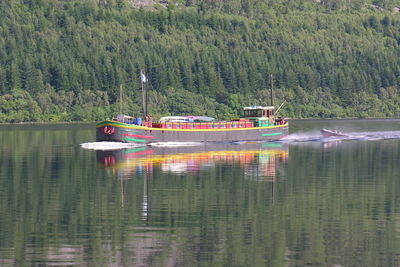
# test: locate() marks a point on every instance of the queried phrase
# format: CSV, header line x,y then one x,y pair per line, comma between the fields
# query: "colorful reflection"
x,y
259,160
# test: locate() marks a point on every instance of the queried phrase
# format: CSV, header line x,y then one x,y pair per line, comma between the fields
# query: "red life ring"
x,y
108,130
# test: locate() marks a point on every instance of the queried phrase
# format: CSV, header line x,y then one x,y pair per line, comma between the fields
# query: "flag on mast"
x,y
144,79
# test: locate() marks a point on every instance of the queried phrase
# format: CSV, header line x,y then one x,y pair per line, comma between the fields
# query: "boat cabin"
x,y
254,116
259,111
261,116
125,119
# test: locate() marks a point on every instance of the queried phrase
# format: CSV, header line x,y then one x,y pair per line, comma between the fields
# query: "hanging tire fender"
x,y
109,130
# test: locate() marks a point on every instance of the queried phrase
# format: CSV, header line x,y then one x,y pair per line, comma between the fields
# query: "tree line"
x,y
66,60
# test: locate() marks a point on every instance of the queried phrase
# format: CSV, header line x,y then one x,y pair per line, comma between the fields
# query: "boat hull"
x,y
122,132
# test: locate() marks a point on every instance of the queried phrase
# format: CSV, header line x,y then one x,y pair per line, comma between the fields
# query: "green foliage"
x,y
18,107
71,57
188,103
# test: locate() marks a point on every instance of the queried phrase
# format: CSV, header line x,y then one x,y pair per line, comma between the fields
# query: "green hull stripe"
x,y
271,134
115,123
134,140
130,130
110,122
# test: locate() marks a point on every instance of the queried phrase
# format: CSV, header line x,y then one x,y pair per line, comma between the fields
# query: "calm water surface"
x,y
303,202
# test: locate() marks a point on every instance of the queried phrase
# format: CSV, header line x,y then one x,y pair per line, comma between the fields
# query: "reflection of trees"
x,y
348,195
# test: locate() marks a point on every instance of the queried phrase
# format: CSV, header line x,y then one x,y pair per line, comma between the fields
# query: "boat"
x,y
332,133
259,123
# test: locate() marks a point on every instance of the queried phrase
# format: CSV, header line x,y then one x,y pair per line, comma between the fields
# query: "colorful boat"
x,y
258,124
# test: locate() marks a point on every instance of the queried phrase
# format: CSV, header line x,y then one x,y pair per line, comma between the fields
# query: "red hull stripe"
x,y
140,136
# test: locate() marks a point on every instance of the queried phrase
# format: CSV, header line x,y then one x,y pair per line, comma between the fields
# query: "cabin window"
x,y
253,113
178,126
213,126
270,113
222,126
169,125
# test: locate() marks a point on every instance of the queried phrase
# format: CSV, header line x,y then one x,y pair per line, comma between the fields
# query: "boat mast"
x,y
272,89
120,99
144,92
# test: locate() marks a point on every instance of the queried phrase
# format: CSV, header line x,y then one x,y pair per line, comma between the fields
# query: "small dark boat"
x,y
332,133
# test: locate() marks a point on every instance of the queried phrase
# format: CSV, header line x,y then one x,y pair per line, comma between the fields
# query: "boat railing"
x,y
204,125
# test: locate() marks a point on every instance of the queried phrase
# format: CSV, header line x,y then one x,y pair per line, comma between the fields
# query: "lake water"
x,y
305,201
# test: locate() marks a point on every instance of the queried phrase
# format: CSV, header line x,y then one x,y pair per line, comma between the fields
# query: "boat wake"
x,y
108,145
316,136
119,145
303,137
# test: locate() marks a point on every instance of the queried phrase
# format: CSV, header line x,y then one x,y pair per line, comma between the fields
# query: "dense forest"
x,y
67,60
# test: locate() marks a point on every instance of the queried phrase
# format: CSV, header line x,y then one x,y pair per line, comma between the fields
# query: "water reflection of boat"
x,y
258,159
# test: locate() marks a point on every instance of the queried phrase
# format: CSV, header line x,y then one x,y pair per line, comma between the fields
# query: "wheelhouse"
x,y
260,116
259,112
